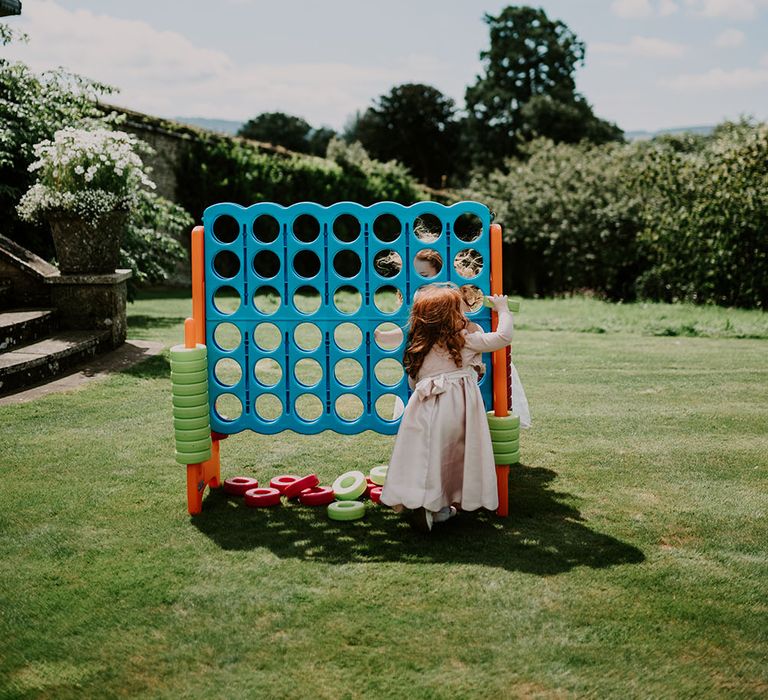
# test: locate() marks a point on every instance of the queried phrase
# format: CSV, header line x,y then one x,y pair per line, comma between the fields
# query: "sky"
x,y
650,64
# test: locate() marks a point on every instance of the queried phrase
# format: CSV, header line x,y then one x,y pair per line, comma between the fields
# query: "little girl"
x,y
443,455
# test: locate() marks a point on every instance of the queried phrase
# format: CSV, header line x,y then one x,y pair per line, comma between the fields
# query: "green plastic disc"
x,y
507,457
505,434
349,486
378,475
199,411
181,353
506,445
346,510
193,457
187,435
502,422
190,389
512,304
190,401
193,445
189,367
184,378
193,423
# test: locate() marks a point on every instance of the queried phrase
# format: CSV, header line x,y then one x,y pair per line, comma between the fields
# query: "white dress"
x,y
443,453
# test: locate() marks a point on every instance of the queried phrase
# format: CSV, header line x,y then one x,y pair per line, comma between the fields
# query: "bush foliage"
x,y
672,219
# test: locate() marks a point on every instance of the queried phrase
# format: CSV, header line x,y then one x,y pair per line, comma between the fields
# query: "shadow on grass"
x,y
543,534
141,321
157,366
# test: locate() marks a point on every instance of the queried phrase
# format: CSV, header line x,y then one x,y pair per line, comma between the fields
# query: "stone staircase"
x,y
44,331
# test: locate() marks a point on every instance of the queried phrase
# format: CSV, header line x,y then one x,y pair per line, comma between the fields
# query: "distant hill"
x,y
223,126
645,135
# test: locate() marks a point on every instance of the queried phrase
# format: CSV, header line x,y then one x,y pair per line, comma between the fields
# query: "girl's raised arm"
x,y
500,338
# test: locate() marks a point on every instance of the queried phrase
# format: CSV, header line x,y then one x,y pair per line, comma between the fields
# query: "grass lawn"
x,y
634,562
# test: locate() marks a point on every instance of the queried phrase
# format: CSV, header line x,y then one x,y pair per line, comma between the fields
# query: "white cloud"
x,y
730,39
728,9
643,9
164,73
642,47
719,79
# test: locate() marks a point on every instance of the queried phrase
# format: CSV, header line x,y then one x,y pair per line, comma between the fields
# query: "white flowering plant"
x,y
85,172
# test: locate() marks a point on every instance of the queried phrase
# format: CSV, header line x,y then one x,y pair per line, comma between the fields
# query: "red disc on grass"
x,y
262,497
317,496
238,485
283,481
306,482
375,493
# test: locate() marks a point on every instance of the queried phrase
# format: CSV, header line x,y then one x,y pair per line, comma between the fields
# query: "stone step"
x,y
39,361
5,292
21,326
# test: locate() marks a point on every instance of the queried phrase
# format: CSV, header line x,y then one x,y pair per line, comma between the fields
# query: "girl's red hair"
x,y
436,319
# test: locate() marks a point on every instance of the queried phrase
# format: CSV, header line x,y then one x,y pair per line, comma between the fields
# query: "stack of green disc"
x,y
505,436
191,413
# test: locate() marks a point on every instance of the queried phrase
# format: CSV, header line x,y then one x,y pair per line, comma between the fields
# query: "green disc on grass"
x,y
504,434
193,457
346,510
197,411
507,457
189,367
181,353
190,389
187,435
192,423
193,445
506,445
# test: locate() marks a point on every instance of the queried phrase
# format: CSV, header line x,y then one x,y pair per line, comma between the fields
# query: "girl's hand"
x,y
499,302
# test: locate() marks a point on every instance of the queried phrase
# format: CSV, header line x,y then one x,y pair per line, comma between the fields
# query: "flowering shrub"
x,y
86,173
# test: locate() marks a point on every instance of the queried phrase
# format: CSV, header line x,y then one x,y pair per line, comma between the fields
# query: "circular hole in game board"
x,y
389,371
306,228
268,407
267,371
467,227
266,299
348,372
348,336
388,299
427,228
306,263
348,407
392,340
346,263
266,264
387,228
267,336
472,298
346,228
308,372
307,336
226,264
387,263
226,300
306,299
266,229
308,407
227,336
468,263
226,229
385,406
228,407
347,299
428,262
228,372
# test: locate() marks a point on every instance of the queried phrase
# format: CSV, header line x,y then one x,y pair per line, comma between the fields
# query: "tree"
x,y
530,57
414,124
279,129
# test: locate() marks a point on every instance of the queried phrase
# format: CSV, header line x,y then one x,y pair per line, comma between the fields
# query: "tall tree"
x,y
414,124
279,129
530,56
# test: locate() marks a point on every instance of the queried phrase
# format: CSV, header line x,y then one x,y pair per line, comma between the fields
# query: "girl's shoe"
x,y
444,514
421,520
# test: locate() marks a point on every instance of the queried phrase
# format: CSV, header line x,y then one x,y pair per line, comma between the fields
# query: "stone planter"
x,y
88,246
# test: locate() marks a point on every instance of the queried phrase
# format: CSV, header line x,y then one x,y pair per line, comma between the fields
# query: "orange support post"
x,y
500,367
198,283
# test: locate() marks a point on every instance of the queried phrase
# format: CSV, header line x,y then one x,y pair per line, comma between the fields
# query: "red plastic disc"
x,y
283,481
238,485
306,482
375,493
317,496
262,497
